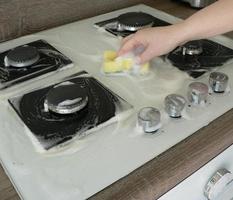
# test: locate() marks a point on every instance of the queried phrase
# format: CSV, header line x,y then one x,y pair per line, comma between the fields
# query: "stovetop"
x,y
89,164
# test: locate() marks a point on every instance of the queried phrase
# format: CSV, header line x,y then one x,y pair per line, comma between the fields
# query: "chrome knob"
x,y
218,82
198,93
217,183
149,119
174,104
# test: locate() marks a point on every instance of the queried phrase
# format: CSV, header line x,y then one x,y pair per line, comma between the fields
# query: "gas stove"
x,y
165,106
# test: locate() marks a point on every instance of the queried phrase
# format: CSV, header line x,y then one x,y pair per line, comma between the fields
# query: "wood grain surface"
x,y
163,172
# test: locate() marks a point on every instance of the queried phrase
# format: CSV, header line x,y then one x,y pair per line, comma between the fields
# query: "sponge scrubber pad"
x,y
113,64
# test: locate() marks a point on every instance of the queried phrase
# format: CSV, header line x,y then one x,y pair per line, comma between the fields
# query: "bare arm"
x,y
210,21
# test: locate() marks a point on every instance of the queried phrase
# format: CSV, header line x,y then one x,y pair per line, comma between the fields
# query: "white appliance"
x,y
86,166
212,181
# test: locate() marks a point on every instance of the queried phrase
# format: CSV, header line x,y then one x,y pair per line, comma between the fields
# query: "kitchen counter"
x,y
142,183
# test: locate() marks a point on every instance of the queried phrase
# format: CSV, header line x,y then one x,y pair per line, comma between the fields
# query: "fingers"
x,y
147,55
129,45
126,39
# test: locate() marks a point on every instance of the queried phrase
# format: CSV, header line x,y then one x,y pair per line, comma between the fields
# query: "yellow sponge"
x,y
112,64
112,67
127,64
110,55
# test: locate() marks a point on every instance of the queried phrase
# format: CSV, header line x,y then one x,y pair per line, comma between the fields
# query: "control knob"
x,y
218,185
198,93
218,82
174,104
149,119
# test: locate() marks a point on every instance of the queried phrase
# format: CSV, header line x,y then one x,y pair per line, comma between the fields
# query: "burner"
x,y
130,22
192,48
29,61
22,56
197,57
66,98
58,113
134,21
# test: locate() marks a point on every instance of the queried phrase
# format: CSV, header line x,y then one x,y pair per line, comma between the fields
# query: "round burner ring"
x,y
192,48
66,98
134,21
22,56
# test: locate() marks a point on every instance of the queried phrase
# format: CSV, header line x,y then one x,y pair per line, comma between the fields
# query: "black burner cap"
x,y
22,56
66,98
136,19
192,48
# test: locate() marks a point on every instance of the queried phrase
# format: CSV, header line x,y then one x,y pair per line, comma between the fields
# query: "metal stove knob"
x,y
149,119
198,93
218,183
218,82
174,104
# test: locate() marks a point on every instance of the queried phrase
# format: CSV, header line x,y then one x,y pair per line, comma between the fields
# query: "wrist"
x,y
182,32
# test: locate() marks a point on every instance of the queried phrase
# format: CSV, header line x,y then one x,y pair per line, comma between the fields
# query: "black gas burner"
x,y
28,61
66,98
134,21
197,57
131,21
192,48
23,56
51,126
127,23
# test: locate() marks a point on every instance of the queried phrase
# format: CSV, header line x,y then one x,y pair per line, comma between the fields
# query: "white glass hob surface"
x,y
79,167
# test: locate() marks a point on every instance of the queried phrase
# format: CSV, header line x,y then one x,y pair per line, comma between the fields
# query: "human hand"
x,y
155,41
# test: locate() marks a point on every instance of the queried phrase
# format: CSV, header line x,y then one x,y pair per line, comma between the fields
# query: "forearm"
x,y
210,21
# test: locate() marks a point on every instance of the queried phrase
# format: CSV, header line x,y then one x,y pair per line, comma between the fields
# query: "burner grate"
x,y
212,55
29,61
133,21
52,129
